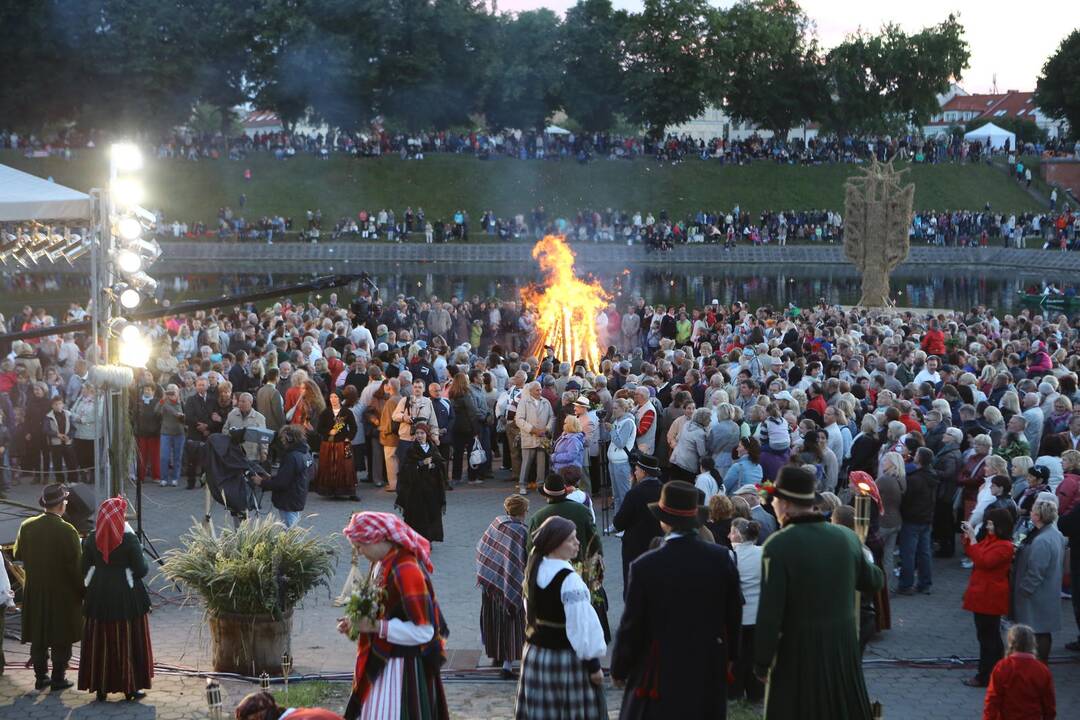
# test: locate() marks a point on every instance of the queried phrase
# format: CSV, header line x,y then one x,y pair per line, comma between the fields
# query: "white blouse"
x,y
583,628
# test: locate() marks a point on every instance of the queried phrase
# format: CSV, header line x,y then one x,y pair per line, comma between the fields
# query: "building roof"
x,y
1009,104
261,119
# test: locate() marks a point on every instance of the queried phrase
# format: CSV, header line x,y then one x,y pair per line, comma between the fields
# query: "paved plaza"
x,y
912,669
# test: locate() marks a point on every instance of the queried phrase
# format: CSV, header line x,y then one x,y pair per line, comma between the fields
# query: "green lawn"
x,y
441,184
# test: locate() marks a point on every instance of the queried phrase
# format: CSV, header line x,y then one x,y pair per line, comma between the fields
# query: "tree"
x,y
431,61
1057,91
38,84
883,83
225,43
591,48
672,53
774,75
523,83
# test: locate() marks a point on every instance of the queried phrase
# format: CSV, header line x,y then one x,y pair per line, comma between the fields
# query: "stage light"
x,y
129,228
148,251
127,192
128,261
134,352
142,281
130,333
74,253
127,157
130,298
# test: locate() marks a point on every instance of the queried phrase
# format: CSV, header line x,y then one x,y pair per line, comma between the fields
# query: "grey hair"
x,y
1047,512
1021,639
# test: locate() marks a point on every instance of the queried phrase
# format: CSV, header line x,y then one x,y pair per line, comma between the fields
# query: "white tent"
x,y
996,136
27,197
555,130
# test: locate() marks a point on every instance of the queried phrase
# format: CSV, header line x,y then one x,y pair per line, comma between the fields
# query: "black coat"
x,y
444,414
637,523
917,504
678,631
289,487
197,410
864,455
421,495
108,596
147,422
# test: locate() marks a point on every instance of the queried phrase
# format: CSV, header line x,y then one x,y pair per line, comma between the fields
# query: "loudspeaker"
x,y
80,507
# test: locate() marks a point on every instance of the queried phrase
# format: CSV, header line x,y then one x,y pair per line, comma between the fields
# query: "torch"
x,y
862,510
213,698
286,668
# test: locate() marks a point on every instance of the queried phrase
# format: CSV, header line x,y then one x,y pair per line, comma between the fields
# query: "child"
x,y
777,437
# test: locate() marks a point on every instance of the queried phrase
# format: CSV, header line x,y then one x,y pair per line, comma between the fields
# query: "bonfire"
x,y
566,306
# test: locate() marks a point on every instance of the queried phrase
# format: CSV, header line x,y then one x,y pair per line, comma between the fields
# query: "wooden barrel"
x,y
249,644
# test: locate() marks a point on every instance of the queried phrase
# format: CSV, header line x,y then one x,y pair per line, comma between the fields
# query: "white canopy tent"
x,y
25,197
555,130
996,136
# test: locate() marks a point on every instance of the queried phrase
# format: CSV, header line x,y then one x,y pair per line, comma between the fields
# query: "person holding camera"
x,y
412,410
289,487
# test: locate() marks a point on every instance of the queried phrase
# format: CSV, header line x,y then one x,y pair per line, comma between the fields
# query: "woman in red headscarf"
x,y
399,653
116,655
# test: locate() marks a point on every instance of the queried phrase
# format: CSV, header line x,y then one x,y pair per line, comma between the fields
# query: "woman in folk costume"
x,y
561,677
116,655
500,573
421,486
336,427
398,655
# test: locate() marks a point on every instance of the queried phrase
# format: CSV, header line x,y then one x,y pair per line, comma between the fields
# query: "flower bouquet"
x,y
591,570
365,603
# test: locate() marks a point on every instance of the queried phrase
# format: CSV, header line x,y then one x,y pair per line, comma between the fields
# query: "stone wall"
x,y
592,255
1062,171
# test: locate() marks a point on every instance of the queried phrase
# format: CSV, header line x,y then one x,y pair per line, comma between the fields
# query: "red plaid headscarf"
x,y
859,477
109,530
372,527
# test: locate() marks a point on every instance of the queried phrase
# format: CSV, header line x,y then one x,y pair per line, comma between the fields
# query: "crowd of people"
x,y
947,228
703,433
552,144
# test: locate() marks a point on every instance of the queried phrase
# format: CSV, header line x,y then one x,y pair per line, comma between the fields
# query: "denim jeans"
x,y
888,542
620,481
289,517
915,554
172,456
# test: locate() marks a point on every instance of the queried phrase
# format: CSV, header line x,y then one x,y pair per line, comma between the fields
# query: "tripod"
x,y
144,539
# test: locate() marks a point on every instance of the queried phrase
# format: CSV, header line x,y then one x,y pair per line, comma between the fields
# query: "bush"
x,y
260,567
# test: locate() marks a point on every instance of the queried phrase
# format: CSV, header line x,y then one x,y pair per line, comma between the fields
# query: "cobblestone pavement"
x,y
925,628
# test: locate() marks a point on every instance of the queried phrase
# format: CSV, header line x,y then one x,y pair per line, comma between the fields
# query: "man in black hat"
x,y
806,641
51,553
635,523
555,490
681,624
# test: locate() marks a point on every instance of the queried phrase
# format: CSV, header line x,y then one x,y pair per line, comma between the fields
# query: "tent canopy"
x,y
555,130
995,135
27,197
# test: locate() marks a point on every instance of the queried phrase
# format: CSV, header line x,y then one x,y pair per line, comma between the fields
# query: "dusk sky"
x,y
1014,45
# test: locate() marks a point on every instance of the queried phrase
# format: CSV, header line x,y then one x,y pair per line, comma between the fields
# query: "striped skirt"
x,y
337,476
405,690
502,628
555,686
116,656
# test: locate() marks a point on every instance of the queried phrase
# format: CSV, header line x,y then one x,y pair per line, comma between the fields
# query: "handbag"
x,y
477,457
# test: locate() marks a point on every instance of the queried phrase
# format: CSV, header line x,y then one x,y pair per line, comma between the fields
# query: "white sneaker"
x,y
164,483
619,534
967,564
172,483
522,491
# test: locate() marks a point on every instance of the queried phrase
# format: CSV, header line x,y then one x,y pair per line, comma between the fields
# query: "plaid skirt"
x,y
116,656
502,628
555,686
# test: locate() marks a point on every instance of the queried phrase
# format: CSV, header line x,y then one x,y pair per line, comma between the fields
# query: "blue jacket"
x,y
290,486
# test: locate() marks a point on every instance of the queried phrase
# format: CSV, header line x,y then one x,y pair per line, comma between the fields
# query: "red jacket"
x,y
933,342
1068,493
818,404
911,423
1021,688
988,586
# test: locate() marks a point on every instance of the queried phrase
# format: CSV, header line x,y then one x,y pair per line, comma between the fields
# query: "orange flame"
x,y
566,307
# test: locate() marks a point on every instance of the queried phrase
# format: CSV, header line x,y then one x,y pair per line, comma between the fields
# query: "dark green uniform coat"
x,y
108,596
48,547
576,513
807,635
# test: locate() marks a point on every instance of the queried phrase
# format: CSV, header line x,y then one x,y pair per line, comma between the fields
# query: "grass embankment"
x,y
442,184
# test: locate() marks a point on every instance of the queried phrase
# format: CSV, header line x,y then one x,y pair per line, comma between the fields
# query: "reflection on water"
x,y
775,285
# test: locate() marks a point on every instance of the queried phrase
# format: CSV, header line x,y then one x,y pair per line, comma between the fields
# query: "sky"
x,y
1011,45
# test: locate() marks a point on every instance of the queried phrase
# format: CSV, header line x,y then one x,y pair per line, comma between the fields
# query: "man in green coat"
x,y
554,489
49,549
806,641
